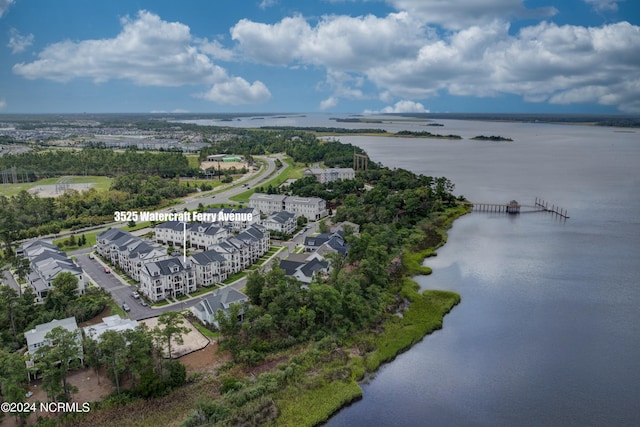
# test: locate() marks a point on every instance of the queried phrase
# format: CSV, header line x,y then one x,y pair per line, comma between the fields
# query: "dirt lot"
x,y
192,341
49,190
223,165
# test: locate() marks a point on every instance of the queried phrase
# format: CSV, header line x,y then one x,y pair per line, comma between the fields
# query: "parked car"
x,y
143,303
125,307
106,270
91,256
135,294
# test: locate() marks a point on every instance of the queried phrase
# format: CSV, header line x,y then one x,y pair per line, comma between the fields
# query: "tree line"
x,y
96,161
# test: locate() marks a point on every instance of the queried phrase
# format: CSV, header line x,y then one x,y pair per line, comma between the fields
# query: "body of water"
x,y
548,331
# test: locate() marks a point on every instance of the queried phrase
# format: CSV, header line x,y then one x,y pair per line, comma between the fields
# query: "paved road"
x,y
247,184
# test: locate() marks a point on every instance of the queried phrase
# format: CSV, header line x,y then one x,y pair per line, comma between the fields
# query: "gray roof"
x,y
290,267
37,334
164,267
207,257
312,266
174,225
282,217
253,233
220,299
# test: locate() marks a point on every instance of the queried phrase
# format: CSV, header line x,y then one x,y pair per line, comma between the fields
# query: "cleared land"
x,y
47,187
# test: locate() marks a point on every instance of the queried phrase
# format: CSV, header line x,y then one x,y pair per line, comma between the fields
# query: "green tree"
x,y
92,356
13,378
57,359
64,292
139,352
170,329
113,352
323,227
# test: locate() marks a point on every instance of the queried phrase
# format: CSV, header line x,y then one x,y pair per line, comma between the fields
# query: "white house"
x,y
167,278
210,268
282,222
242,217
220,299
36,337
127,251
312,208
109,323
331,174
267,203
202,235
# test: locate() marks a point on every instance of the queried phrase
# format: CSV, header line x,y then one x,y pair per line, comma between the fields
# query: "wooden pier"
x,y
553,209
513,207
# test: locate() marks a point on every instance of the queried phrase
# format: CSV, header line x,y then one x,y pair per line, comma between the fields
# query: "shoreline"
x,y
423,316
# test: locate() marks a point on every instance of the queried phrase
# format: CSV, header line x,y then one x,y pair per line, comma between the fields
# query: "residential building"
x,y
167,278
210,268
220,299
282,222
306,270
109,323
36,337
231,254
335,241
242,217
47,262
203,235
127,251
172,233
267,203
256,239
331,174
312,208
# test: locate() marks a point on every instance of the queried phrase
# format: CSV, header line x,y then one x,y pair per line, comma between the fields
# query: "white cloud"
x,y
604,5
4,5
215,49
404,106
17,42
3,104
149,52
267,3
458,14
341,42
328,103
237,91
401,57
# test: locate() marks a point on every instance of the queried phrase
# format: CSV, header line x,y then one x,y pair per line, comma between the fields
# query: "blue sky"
x,y
348,56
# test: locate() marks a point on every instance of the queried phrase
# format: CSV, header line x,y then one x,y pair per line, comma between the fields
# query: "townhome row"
x,y
312,208
127,251
162,276
47,262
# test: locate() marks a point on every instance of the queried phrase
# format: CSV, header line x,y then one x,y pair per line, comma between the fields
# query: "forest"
x,y
302,147
97,161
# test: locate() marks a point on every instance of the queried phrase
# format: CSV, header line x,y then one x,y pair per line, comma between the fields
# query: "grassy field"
x,y
100,183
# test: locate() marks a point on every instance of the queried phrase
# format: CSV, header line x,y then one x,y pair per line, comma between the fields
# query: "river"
x,y
548,331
